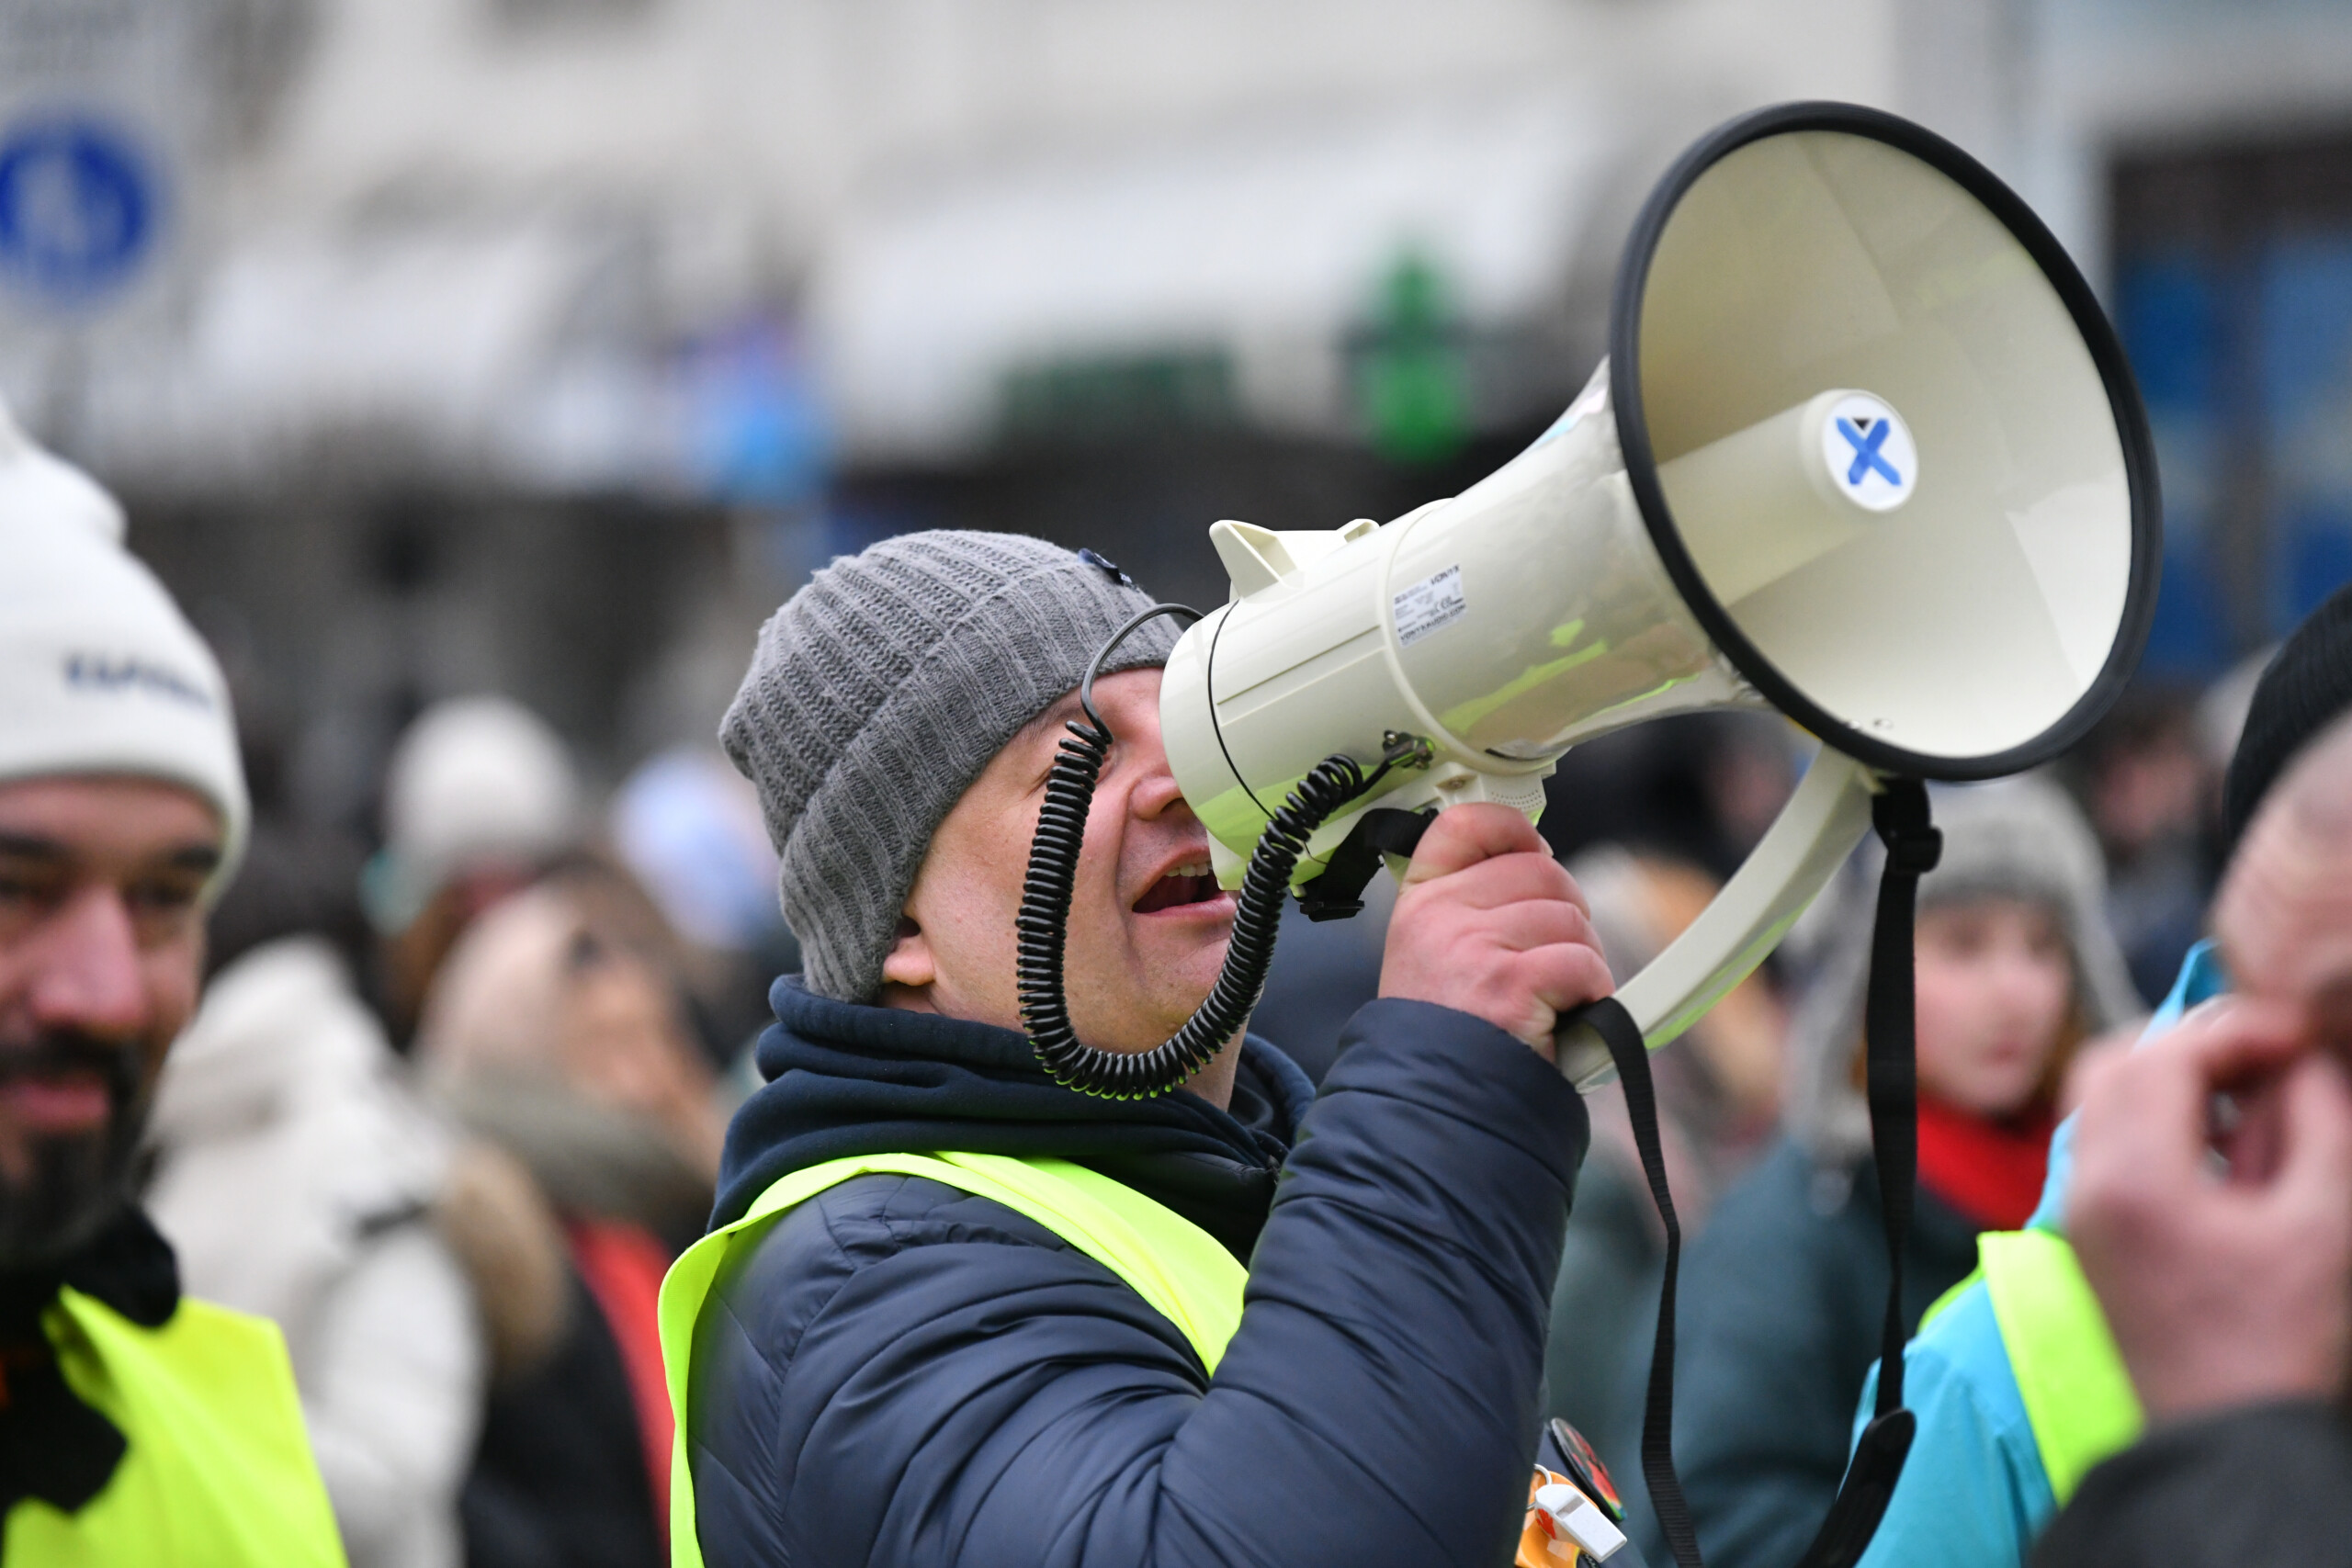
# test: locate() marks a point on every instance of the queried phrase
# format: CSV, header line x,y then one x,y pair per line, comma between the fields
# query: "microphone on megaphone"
x,y
1864,452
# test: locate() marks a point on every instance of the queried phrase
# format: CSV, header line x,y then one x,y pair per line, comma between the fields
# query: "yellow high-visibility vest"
x,y
216,1472
1185,1274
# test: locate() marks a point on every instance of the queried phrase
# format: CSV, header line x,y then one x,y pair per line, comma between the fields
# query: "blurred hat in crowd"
x,y
100,671
1641,900
2019,838
2300,692
688,825
476,783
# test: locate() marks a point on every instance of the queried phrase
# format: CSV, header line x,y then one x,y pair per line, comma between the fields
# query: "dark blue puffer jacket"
x,y
898,1373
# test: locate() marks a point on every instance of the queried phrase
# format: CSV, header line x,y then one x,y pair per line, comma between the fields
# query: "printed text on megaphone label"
x,y
1433,602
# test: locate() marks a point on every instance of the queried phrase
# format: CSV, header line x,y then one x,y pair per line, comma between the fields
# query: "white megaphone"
x,y
1864,451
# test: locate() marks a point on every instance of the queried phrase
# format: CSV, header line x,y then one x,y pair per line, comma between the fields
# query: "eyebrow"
x,y
1052,717
201,858
195,857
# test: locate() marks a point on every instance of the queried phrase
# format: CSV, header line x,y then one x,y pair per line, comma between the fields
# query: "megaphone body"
x,y
1864,453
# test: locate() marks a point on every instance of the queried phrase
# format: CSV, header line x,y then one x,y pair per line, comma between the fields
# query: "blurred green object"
x,y
1107,395
1411,387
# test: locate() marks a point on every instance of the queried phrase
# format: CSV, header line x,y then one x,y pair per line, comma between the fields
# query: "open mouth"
x,y
1191,883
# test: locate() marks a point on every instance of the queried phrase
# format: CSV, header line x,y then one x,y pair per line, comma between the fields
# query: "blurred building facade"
x,y
542,344
2197,157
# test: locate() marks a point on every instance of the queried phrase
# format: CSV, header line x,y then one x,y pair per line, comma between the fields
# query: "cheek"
x,y
1952,1003
2050,991
978,918
171,975
174,986
1097,910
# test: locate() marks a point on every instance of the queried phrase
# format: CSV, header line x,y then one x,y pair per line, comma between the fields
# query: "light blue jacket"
x,y
1973,1494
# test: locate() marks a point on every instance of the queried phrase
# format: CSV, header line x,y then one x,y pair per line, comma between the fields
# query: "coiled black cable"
x,y
1044,922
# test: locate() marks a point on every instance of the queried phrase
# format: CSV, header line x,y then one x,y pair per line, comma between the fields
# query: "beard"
x,y
64,1188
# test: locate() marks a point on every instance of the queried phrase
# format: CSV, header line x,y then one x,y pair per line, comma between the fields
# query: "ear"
x,y
910,962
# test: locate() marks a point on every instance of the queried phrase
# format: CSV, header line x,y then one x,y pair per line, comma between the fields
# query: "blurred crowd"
x,y
452,1104
454,1098
457,1092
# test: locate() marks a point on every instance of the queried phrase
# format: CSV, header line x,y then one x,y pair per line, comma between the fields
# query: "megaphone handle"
x,y
1803,848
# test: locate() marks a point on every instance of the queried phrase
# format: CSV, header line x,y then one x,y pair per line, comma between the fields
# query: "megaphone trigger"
x,y
1378,833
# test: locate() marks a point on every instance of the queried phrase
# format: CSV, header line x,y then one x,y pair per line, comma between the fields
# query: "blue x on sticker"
x,y
1866,450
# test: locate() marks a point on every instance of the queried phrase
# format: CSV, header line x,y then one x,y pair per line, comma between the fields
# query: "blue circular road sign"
x,y
79,205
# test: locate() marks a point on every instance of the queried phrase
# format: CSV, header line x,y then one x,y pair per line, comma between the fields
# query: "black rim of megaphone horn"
x,y
2098,334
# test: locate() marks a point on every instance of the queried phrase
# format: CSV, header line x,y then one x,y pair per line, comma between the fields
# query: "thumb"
x,y
1463,835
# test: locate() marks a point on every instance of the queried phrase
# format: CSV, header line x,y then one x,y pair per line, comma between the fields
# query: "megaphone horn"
x,y
1864,451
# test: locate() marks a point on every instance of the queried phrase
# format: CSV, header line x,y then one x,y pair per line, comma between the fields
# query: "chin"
x,y
1179,976
2000,1104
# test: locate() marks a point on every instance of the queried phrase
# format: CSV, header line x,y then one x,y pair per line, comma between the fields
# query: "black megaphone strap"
x,y
1913,846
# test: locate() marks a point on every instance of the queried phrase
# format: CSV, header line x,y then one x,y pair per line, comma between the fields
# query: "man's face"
x,y
1148,923
101,949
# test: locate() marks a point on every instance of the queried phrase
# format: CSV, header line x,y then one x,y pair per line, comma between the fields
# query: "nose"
x,y
1156,792
1157,795
87,974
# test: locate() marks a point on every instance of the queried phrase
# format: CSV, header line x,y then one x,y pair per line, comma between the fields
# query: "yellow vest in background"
x,y
217,1472
1185,1274
2078,1398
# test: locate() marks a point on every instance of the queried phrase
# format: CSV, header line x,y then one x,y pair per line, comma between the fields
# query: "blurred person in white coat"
x,y
299,1180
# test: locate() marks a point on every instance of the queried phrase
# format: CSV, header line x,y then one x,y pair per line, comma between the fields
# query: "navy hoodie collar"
x,y
845,1078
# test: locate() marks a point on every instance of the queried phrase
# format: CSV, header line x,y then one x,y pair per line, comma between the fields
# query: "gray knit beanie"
x,y
878,694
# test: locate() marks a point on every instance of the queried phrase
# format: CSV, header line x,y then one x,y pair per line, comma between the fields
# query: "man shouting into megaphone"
x,y
953,1314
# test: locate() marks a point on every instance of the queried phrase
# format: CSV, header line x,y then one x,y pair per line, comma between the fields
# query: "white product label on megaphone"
x,y
1433,602
1870,453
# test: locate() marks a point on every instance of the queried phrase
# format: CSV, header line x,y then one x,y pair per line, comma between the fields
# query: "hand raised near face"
x,y
1489,924
2225,1282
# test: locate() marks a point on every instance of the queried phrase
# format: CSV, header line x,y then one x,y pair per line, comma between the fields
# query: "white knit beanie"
x,y
99,672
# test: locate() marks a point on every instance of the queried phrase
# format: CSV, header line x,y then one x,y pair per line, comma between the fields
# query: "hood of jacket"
x,y
2018,838
846,1079
285,1134
589,1160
